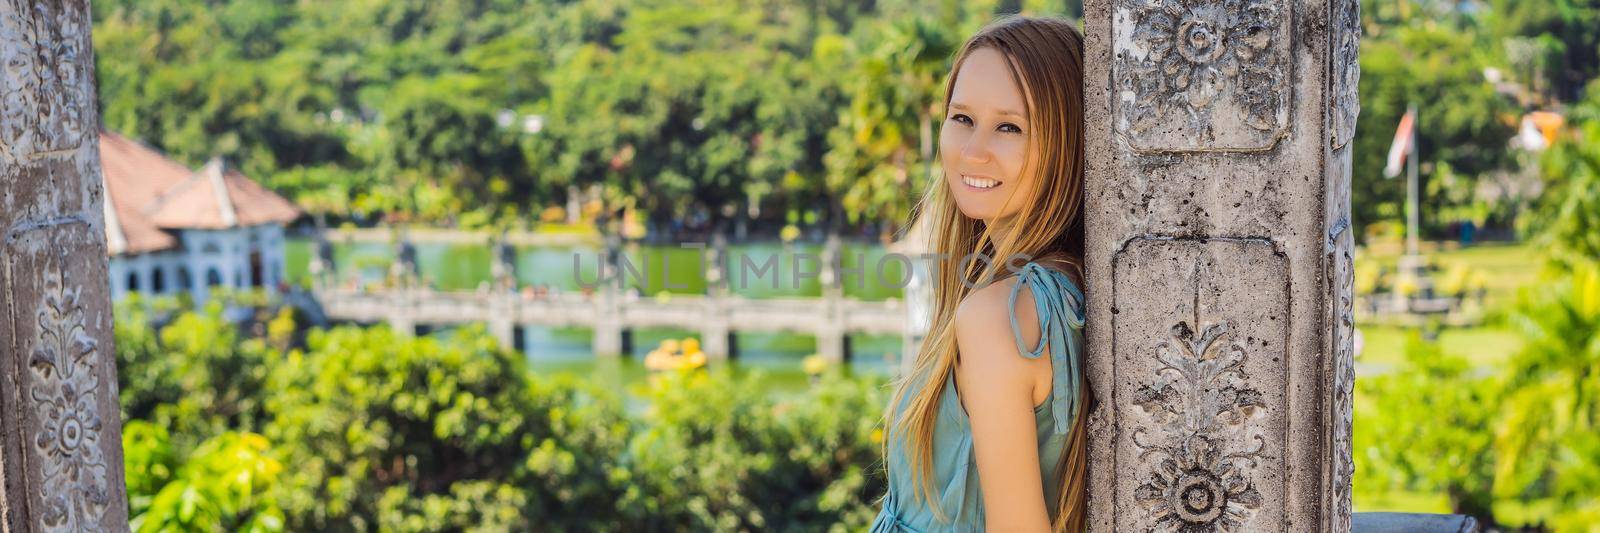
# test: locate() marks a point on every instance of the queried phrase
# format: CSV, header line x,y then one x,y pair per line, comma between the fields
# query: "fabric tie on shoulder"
x,y
1059,305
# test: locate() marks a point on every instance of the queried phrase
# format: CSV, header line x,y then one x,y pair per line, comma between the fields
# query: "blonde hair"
x,y
1045,56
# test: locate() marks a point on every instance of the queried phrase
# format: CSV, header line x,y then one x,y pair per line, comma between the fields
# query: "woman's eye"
x,y
1010,128
963,119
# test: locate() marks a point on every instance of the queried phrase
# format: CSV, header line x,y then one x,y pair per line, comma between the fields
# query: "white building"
x,y
171,229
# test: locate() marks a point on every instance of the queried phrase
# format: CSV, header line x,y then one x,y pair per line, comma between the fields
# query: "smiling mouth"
x,y
979,183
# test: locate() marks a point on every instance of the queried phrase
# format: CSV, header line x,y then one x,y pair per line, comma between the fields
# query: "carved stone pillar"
x,y
60,433
1218,246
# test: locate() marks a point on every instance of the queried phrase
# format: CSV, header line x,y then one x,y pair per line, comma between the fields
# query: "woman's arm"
x,y
997,388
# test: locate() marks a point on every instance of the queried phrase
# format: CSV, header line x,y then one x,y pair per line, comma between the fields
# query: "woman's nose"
x,y
976,150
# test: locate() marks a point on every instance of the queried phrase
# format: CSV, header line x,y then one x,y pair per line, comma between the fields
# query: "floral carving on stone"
x,y
1202,74
65,392
45,77
1200,401
19,79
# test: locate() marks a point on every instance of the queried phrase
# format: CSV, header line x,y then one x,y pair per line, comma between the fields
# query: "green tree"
x,y
882,152
425,111
1550,431
716,452
1566,219
1552,44
1428,426
1463,124
387,432
225,485
195,375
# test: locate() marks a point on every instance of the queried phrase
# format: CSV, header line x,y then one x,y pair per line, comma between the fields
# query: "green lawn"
x,y
563,228
1506,266
1398,501
1384,346
1506,269
1507,512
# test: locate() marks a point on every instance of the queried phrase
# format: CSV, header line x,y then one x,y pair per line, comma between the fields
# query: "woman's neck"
x,y
998,227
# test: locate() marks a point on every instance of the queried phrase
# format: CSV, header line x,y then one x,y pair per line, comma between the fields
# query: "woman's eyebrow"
x,y
963,107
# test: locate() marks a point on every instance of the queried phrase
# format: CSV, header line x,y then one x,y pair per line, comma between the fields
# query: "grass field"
x,y
1506,266
1506,269
1509,513
1384,346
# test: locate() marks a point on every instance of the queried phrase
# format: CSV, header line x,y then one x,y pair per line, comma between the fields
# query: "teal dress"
x,y
1060,309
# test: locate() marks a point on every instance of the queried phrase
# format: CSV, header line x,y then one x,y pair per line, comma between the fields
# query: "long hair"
x,y
1046,59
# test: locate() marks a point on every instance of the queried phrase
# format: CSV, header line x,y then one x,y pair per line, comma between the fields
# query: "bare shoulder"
x,y
987,344
984,316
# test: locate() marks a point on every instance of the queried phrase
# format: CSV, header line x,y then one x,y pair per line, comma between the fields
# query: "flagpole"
x,y
1412,194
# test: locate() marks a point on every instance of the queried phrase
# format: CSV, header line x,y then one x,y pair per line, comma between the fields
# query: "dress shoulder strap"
x,y
1059,305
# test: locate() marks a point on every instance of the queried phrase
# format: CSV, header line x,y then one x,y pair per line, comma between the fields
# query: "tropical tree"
x,y
1550,429
1567,217
1428,426
399,433
225,485
1463,123
882,152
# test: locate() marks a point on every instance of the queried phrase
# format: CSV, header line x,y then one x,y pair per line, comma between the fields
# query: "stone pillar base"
x,y
1413,523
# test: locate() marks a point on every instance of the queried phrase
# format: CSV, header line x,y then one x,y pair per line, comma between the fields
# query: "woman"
x,y
987,428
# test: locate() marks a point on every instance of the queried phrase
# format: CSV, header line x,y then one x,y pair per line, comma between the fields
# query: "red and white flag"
x,y
1404,139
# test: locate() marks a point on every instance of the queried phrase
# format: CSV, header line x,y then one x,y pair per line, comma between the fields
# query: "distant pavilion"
x,y
171,229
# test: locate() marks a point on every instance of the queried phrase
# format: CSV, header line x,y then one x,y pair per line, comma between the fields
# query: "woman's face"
x,y
984,141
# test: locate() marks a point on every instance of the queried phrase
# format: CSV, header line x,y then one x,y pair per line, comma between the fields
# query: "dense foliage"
x,y
1566,218
469,112
359,429
485,112
1522,437
474,113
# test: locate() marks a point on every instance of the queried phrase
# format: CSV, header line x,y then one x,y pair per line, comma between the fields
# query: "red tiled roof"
x,y
147,194
218,198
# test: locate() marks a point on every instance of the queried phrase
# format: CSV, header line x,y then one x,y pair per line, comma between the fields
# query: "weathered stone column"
x,y
60,433
1218,246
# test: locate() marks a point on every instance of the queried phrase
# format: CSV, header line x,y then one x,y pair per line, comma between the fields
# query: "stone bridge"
x,y
613,316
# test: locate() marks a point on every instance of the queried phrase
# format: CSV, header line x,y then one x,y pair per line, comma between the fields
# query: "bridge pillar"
x,y
832,344
608,338
400,312
502,319
403,325
608,327
505,333
403,272
324,273
1217,241
909,344
716,334
716,340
